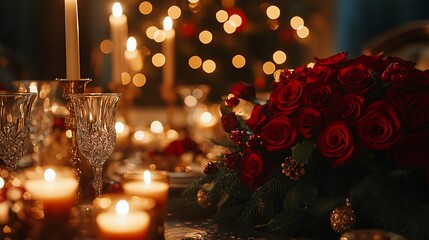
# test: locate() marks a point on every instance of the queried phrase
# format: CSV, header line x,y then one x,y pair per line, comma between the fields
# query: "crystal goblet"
x,y
42,118
15,139
95,129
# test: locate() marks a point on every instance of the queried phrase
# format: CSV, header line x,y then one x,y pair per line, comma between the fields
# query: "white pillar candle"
x,y
169,54
154,187
118,34
56,189
122,223
72,39
158,191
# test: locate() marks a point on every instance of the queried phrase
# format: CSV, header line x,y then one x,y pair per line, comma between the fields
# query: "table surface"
x,y
182,224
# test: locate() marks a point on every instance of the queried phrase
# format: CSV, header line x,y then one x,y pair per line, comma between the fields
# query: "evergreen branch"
x,y
264,203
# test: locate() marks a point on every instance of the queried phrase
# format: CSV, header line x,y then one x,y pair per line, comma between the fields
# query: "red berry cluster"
x,y
238,137
210,168
395,72
255,142
231,159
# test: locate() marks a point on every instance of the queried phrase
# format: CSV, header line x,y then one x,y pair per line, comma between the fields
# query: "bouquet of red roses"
x,y
342,129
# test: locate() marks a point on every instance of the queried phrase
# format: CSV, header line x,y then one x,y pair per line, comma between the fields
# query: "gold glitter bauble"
x,y
202,199
343,218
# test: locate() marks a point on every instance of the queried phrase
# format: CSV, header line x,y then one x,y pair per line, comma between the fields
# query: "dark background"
x,y
32,41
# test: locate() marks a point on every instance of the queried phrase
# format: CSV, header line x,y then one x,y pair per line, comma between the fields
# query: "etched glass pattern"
x,y
14,127
95,129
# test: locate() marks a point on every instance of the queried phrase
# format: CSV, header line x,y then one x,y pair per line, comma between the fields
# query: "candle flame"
x,y
156,127
168,23
146,177
206,117
117,9
33,87
122,208
49,175
1,182
131,44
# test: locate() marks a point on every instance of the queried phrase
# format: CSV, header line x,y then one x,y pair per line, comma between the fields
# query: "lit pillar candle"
x,y
168,51
72,39
118,34
153,186
56,189
121,223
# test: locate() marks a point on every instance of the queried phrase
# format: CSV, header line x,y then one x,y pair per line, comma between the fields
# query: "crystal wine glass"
x,y
15,139
42,118
95,129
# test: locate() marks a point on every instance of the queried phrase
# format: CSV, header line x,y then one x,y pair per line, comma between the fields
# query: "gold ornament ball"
x,y
202,199
343,218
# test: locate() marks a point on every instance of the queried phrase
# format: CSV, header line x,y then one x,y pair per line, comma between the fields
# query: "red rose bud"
x,y
258,117
229,122
232,102
210,168
244,90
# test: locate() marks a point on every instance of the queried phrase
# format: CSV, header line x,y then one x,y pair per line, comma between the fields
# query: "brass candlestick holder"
x,y
71,86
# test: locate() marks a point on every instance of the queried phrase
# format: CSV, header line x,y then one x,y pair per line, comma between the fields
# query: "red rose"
x,y
356,79
412,150
336,143
379,127
308,121
286,95
279,134
258,117
351,107
317,73
347,107
317,95
229,122
251,171
243,90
